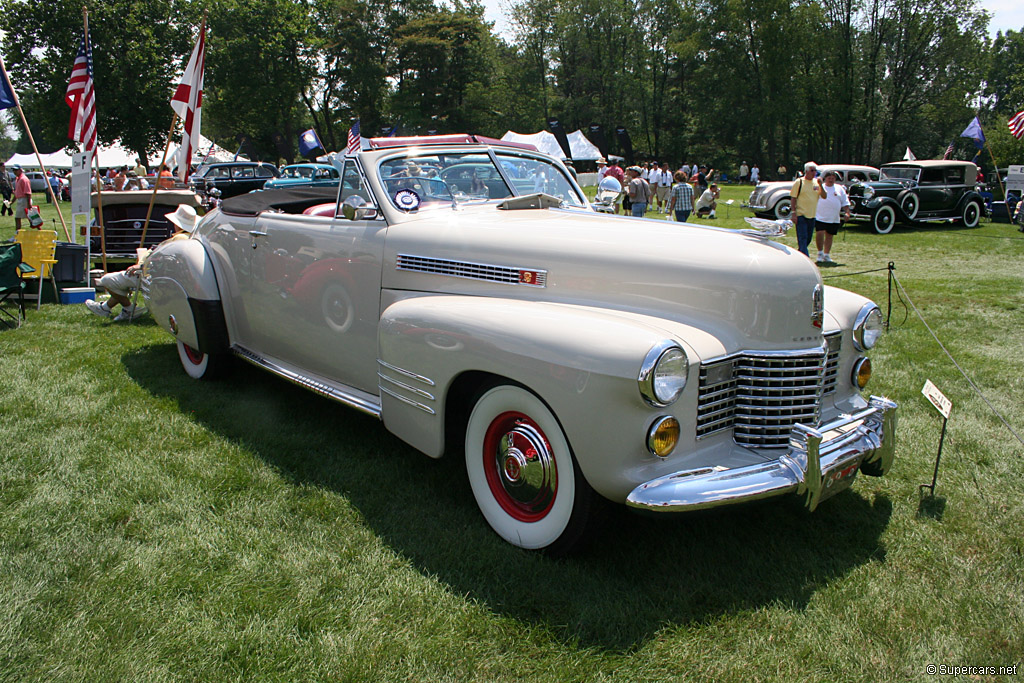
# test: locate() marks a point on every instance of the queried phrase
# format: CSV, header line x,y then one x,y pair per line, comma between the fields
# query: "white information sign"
x,y
80,182
937,398
1015,179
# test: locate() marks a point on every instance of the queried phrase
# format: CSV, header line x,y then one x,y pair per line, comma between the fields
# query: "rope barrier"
x,y
899,287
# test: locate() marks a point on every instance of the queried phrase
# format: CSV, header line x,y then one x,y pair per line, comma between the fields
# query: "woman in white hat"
x,y
120,285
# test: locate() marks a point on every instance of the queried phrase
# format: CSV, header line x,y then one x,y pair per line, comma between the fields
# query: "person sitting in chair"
x,y
122,284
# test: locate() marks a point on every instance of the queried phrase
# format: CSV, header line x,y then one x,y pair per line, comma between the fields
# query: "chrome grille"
x,y
474,271
762,396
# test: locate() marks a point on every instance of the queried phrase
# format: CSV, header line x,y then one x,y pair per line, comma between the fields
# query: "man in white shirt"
x,y
707,203
602,169
661,184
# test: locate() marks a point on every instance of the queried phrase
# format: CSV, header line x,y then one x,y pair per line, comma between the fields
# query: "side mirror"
x,y
355,208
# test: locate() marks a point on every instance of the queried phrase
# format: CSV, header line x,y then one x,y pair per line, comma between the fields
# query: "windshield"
x,y
296,172
900,173
434,179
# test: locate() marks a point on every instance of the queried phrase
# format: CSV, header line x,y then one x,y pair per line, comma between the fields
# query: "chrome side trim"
x,y
403,385
406,373
403,399
335,393
817,465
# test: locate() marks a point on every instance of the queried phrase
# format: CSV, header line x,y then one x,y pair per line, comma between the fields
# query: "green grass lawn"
x,y
153,528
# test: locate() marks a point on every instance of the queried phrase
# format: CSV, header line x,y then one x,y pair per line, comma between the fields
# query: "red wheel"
x,y
522,472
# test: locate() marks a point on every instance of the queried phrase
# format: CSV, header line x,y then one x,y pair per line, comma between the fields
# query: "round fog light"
x,y
663,436
862,372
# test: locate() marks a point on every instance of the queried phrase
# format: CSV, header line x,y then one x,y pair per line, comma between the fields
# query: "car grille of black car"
x,y
855,191
760,397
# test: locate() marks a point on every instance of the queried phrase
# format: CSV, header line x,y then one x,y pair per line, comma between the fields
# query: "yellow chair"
x,y
37,250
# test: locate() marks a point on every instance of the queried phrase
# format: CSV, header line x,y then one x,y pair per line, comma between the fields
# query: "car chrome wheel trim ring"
x,y
520,467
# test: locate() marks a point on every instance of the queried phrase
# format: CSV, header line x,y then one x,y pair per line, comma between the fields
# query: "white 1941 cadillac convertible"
x,y
463,291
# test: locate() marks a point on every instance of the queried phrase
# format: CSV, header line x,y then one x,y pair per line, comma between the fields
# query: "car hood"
x,y
748,291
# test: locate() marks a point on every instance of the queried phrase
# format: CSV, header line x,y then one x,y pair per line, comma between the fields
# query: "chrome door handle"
x,y
257,233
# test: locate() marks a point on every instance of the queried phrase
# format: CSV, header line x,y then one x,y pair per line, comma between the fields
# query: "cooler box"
x,y
76,295
70,262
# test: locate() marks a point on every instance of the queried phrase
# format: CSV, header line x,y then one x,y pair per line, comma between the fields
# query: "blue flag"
x,y
309,142
7,99
974,132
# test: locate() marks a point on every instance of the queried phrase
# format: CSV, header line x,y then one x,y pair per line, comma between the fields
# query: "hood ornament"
x,y
763,227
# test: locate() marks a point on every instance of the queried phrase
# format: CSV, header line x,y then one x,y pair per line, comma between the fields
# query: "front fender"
x,y
583,362
180,289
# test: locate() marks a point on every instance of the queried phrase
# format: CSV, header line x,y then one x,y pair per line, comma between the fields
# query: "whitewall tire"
x,y
523,473
884,219
199,365
972,214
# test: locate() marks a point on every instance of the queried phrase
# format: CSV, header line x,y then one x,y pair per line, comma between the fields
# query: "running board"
x,y
345,396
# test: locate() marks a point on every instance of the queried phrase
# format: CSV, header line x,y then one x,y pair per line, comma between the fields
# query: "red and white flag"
x,y
81,97
187,103
1016,125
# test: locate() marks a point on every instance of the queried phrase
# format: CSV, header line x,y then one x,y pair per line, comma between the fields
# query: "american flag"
x,y
353,138
949,151
188,102
1016,125
81,97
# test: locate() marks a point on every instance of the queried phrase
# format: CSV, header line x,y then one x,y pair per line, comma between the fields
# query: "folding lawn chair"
x,y
12,286
37,250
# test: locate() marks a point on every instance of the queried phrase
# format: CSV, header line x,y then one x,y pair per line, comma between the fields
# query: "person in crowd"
x,y
702,178
755,175
639,192
694,170
707,203
602,168
7,190
165,179
782,170
833,206
681,198
744,173
135,182
121,178
54,194
661,186
140,169
645,171
22,195
122,284
803,202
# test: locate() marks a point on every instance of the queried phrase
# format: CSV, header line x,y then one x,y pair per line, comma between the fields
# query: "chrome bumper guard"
x,y
819,463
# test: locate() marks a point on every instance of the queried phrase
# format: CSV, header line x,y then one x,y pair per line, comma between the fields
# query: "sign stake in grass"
x,y
944,406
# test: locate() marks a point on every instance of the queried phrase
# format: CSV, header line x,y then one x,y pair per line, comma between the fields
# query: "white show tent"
x,y
109,155
582,149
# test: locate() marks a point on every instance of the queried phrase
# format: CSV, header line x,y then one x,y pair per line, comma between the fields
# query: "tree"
x,y
137,50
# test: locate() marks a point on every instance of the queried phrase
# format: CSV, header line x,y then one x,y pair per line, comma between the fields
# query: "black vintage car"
x,y
233,178
935,191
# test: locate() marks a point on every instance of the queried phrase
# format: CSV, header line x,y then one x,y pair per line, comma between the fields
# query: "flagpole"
x,y
39,158
99,175
996,164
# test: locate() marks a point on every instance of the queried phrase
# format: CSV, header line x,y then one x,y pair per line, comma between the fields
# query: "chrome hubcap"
x,y
526,468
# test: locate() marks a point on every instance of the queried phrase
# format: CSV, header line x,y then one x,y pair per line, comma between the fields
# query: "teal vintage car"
x,y
305,175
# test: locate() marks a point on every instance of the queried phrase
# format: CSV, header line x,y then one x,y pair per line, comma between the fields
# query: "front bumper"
x,y
819,463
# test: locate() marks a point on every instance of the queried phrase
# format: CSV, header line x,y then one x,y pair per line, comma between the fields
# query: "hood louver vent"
x,y
508,275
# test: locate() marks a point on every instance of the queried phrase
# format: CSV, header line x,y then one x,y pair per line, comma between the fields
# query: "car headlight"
x,y
869,192
868,327
663,374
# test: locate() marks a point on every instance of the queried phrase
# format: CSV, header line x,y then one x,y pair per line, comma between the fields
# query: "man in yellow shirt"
x,y
803,202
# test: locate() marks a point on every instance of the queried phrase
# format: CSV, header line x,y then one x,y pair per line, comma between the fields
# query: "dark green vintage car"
x,y
934,191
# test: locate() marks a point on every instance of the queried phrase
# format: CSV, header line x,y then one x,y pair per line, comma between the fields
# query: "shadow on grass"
x,y
643,574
